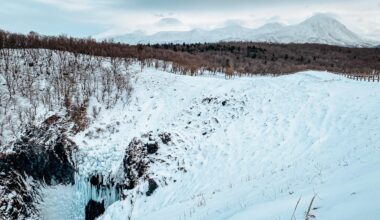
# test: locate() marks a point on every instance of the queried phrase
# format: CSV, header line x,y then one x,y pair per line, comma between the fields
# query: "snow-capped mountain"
x,y
317,29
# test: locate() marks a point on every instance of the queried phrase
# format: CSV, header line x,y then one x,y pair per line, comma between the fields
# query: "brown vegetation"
x,y
230,57
53,79
37,82
266,58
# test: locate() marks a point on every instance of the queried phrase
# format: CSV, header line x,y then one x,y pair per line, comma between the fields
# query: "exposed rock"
x,y
208,100
166,137
151,147
135,162
42,155
94,209
139,155
152,186
17,196
94,180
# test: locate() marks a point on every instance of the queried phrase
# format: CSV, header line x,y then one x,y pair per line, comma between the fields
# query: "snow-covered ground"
x,y
33,81
242,148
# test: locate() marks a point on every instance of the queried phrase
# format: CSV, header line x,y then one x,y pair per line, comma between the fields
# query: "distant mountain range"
x,y
320,28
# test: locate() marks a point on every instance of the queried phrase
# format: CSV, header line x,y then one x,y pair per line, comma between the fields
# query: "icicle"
x,y
107,192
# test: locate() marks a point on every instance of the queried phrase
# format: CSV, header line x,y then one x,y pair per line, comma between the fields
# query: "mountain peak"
x,y
321,18
320,28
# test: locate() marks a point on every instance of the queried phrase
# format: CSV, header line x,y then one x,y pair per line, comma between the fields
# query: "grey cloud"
x,y
88,17
232,22
169,22
214,4
159,15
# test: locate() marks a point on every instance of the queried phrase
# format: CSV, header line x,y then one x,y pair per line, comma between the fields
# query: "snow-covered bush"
x,y
36,83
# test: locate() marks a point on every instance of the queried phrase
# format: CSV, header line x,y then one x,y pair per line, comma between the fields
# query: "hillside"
x,y
247,153
237,149
189,110
232,58
38,83
87,136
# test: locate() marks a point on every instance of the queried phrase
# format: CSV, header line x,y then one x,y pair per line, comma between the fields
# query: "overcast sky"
x,y
107,18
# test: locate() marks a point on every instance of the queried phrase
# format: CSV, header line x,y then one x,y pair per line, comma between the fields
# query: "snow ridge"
x,y
320,28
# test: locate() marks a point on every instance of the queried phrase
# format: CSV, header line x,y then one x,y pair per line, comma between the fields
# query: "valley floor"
x,y
242,148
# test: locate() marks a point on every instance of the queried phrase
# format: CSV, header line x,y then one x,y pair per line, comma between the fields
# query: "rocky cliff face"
x,y
101,191
43,155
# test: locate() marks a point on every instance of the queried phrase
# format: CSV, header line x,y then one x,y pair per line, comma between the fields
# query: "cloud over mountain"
x,y
320,28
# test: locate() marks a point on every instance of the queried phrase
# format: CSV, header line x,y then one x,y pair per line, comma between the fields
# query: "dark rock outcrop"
x,y
152,186
95,180
51,164
165,137
151,147
17,196
94,209
135,162
42,155
138,156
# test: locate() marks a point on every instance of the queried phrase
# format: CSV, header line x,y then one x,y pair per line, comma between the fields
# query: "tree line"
x,y
272,58
232,58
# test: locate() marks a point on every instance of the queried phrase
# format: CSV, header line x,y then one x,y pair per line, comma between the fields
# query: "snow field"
x,y
245,148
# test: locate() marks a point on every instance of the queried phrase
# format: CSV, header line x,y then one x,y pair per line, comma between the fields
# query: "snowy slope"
x,y
36,95
247,148
317,29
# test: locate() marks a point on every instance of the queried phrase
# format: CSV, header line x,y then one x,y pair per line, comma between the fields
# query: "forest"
x,y
231,58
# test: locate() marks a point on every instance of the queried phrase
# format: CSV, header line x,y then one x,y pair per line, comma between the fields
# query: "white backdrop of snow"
x,y
273,141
